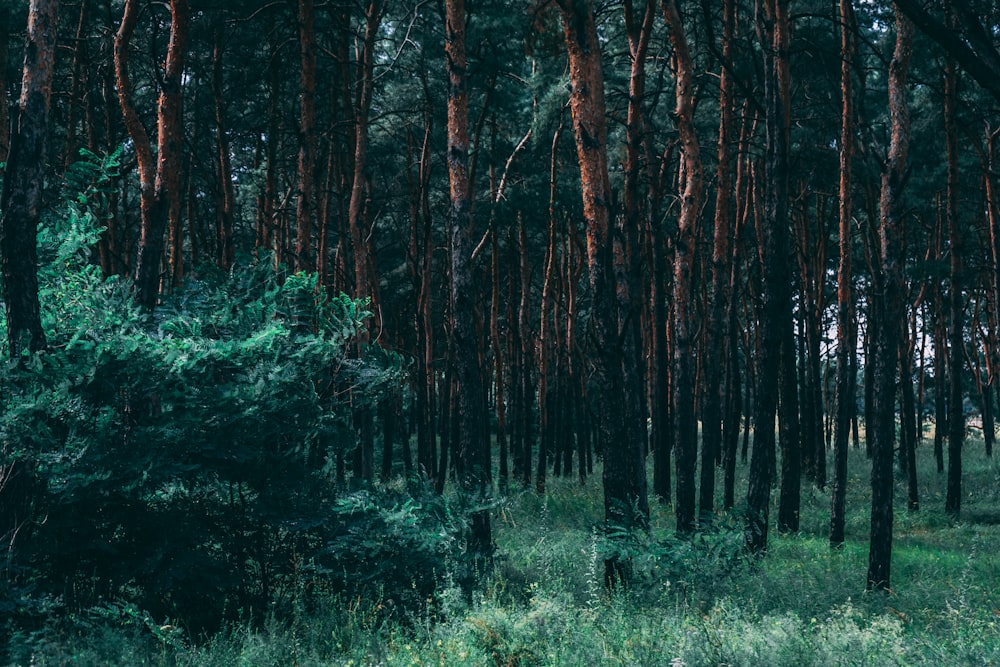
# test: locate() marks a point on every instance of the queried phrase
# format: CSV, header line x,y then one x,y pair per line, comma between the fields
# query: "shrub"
x,y
184,461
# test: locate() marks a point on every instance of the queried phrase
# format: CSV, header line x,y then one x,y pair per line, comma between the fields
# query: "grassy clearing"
x,y
697,602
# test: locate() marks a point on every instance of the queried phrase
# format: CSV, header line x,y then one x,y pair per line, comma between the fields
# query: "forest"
x,y
540,332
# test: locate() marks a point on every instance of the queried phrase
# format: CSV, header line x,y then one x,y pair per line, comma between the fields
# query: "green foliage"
x,y
186,462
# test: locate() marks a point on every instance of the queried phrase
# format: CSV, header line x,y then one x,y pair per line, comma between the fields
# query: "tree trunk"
x,y
4,52
956,333
686,441
888,311
472,450
625,500
304,203
225,199
777,348
780,263
24,176
722,266
159,182
846,328
908,421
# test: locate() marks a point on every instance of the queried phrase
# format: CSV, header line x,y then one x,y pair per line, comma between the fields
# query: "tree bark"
x,y
24,176
715,388
888,310
4,51
956,319
691,184
625,500
159,181
225,199
775,371
304,204
846,329
472,449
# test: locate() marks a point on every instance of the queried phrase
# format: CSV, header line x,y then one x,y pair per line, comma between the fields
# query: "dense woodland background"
x,y
289,250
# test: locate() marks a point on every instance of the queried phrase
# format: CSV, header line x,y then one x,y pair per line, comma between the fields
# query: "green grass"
x,y
698,602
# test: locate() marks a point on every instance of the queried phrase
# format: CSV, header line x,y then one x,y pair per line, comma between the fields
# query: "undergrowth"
x,y
695,601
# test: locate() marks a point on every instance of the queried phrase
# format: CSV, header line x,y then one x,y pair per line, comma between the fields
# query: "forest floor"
x,y
692,602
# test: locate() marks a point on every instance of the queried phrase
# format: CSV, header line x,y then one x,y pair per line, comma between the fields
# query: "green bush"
x,y
188,461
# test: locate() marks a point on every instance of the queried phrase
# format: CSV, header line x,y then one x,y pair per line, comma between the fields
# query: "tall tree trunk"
x,y
686,442
78,76
777,346
888,310
846,330
358,210
266,212
908,419
956,333
939,319
546,343
712,412
781,262
4,51
304,204
24,176
472,449
625,500
159,181
20,204
992,288
225,199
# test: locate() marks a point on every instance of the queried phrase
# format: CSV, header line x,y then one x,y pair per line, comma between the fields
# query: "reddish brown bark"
x,y
159,181
888,311
625,500
472,449
711,414
363,278
846,329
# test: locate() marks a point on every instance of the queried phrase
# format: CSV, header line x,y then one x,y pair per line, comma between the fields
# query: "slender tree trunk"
x,y
226,201
24,176
956,334
939,319
775,367
266,213
776,207
735,393
686,442
304,203
78,75
846,329
4,51
908,420
889,311
525,352
712,412
993,236
20,205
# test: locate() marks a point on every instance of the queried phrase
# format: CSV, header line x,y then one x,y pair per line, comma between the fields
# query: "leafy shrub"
x,y
185,461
